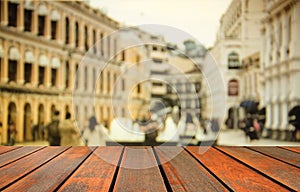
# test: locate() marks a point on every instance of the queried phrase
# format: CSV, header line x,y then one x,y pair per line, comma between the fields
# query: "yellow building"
x,y
45,64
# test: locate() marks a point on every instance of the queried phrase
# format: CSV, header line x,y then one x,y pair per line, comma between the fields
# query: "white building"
x,y
280,69
238,37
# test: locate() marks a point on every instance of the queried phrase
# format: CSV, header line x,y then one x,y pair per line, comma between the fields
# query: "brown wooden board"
x,y
295,149
4,149
184,173
96,173
139,171
277,170
51,175
14,155
234,174
281,154
17,169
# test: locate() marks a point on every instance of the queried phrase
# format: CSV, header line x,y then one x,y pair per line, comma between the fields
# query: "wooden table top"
x,y
149,168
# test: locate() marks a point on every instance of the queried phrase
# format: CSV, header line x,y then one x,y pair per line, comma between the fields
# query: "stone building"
x,y
50,52
238,37
280,58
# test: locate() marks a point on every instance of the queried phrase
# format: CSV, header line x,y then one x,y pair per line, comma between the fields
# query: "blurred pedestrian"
x,y
12,132
69,134
35,132
252,128
95,134
1,133
150,127
53,131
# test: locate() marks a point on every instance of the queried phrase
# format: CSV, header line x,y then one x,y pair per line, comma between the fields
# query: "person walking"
x,y
53,131
95,134
12,132
69,134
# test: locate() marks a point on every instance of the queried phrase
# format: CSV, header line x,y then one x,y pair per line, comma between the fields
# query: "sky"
x,y
197,18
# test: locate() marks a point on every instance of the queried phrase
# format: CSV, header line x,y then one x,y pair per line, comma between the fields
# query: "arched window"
x,y
54,20
86,38
233,87
233,61
13,58
12,13
42,12
67,74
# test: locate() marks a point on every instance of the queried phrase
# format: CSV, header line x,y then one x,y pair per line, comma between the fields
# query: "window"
x,y
77,77
12,14
290,29
108,82
155,60
76,34
41,28
108,46
188,103
86,38
157,84
233,61
94,78
53,76
188,87
28,69
154,48
178,87
102,45
53,29
27,19
12,70
233,88
67,37
94,42
123,55
138,88
67,74
41,75
85,77
197,87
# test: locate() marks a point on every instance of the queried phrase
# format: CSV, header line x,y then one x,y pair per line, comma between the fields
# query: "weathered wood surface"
x,y
161,168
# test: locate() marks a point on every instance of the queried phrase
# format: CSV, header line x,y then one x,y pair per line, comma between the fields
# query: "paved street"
x,y
226,137
237,138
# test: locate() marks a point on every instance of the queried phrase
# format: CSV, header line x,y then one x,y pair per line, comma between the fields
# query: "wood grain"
x,y
52,174
139,171
295,149
281,154
8,148
185,173
96,173
17,154
279,171
17,169
234,174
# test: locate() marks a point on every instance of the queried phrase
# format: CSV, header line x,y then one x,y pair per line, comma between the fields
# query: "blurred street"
x,y
226,138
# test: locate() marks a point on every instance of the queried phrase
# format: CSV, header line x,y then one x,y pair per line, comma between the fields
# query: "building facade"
x,y
280,70
238,37
50,52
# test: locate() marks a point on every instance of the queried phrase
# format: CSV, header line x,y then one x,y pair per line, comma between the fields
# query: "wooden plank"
x,y
277,170
234,174
14,155
184,173
4,149
281,154
96,173
51,175
295,149
17,169
139,171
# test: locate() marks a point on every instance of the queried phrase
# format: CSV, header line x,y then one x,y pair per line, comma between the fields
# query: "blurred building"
x,y
238,37
280,69
50,53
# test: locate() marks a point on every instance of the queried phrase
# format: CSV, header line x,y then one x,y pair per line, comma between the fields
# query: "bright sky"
x,y
198,18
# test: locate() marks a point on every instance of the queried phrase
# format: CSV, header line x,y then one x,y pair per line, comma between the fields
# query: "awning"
x,y
29,57
1,52
42,10
43,60
55,16
55,63
14,54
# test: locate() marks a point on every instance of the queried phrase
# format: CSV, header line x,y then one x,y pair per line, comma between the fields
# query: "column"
x,y
5,118
48,73
61,75
295,45
4,12
20,16
275,42
285,34
20,72
35,68
47,26
5,63
81,35
104,80
20,119
72,73
268,45
35,18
